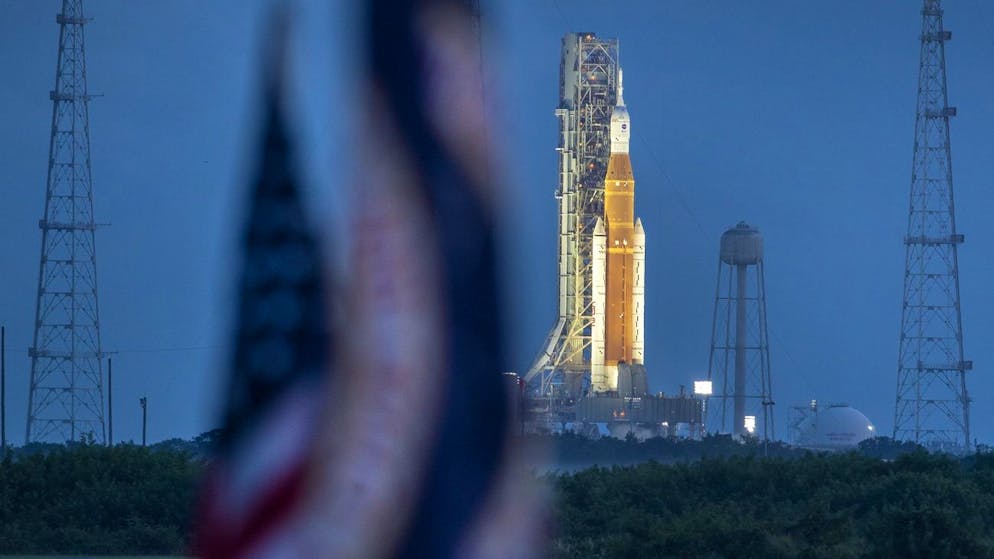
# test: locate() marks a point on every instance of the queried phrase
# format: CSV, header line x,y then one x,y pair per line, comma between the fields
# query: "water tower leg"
x,y
740,351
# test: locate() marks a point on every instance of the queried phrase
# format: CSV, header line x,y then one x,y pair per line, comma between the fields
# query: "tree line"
x,y
84,498
573,452
839,506
715,498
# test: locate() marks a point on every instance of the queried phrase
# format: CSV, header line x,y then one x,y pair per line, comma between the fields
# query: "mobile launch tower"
x,y
590,375
588,94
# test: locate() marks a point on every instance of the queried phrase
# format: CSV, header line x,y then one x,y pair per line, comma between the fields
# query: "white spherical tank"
x,y
742,244
835,427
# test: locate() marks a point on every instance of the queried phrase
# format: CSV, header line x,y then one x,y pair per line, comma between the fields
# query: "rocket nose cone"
x,y
620,130
599,227
639,231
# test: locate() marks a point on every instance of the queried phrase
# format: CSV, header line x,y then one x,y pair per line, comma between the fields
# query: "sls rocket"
x,y
618,332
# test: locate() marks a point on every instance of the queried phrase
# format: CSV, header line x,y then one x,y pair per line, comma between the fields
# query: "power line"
x,y
170,349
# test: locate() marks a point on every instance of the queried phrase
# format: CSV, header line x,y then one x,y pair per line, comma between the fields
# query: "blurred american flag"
x,y
280,367
406,451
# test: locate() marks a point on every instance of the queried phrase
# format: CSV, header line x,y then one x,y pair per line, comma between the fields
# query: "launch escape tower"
x,y
739,362
66,390
932,405
587,95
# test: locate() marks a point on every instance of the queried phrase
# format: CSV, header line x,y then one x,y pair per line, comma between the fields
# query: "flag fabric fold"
x,y
406,450
281,355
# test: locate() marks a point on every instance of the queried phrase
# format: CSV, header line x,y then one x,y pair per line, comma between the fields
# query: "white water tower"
x,y
739,363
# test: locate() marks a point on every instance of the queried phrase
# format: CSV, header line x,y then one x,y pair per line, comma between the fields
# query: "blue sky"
x,y
797,117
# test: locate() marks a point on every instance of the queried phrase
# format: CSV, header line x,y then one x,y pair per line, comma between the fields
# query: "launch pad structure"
x,y
590,369
587,95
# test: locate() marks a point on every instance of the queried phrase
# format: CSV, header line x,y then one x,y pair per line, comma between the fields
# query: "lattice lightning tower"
x,y
587,94
66,392
932,405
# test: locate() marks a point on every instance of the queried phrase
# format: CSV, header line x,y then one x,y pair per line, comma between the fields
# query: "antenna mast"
x,y
65,400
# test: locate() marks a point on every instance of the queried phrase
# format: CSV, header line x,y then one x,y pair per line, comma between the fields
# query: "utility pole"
x,y
767,412
110,402
932,405
3,390
143,402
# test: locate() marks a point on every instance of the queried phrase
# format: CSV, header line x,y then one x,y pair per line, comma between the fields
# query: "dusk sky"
x,y
796,117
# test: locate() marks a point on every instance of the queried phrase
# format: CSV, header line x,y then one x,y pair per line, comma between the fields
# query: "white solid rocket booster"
x,y
598,374
638,296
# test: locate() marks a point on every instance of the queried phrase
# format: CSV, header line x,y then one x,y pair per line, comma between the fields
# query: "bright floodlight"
x,y
750,423
702,387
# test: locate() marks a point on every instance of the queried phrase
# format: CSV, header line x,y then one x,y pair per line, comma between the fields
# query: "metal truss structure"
x,y
66,389
932,406
796,416
587,95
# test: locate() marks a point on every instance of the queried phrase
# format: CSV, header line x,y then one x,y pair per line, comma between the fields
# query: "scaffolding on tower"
x,y
587,95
